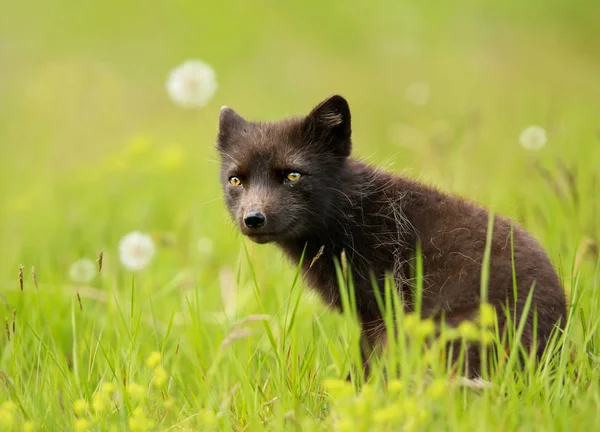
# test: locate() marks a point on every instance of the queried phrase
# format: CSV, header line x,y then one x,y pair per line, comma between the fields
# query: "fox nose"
x,y
254,219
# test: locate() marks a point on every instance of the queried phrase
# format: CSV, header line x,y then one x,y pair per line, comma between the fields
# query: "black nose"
x,y
254,219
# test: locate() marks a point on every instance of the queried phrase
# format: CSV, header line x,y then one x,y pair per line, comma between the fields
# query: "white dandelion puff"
x,y
136,250
192,84
418,93
205,246
533,138
82,271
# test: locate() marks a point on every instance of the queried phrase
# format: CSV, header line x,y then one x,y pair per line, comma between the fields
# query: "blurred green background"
x,y
92,147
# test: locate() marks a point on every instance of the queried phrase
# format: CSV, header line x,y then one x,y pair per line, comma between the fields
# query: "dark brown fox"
x,y
293,183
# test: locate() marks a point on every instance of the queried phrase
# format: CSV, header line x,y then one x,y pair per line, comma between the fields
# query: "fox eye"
x,y
293,176
235,181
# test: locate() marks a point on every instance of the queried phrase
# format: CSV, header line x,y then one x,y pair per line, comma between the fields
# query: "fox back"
x,y
293,183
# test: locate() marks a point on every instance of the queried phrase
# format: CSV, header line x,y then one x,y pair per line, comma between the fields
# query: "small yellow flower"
x,y
108,388
395,386
9,406
487,315
98,403
139,422
409,407
368,393
437,389
81,424
208,418
153,359
387,415
468,330
6,418
449,334
138,146
423,417
135,391
80,406
160,377
29,426
425,328
338,388
171,157
410,322
344,425
487,337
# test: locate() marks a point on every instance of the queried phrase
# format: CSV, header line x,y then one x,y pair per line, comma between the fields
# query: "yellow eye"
x,y
235,181
293,176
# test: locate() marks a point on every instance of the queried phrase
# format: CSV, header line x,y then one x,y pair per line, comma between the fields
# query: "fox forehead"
x,y
266,146
265,159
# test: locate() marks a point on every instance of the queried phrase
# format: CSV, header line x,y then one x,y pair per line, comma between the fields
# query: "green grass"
x,y
91,148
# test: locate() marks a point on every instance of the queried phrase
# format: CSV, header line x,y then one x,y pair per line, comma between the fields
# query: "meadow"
x,y
203,330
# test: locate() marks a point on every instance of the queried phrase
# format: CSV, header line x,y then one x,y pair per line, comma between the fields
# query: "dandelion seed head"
x,y
82,271
205,246
533,138
136,250
418,93
192,84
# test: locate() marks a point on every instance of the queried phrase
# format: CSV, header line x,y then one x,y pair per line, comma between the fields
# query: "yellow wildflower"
x,y
108,388
135,391
338,388
410,322
395,386
437,389
171,157
29,426
160,377
487,337
344,425
425,328
468,330
81,424
80,406
208,418
138,146
487,315
139,422
387,414
153,359
98,403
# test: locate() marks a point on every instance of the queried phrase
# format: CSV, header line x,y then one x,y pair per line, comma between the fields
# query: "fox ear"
x,y
229,123
328,124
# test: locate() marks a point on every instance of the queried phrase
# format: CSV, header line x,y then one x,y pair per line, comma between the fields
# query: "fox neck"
x,y
364,227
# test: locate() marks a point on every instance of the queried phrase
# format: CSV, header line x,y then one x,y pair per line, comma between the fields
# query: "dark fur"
x,y
378,219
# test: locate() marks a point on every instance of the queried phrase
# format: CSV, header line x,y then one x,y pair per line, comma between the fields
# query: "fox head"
x,y
280,179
